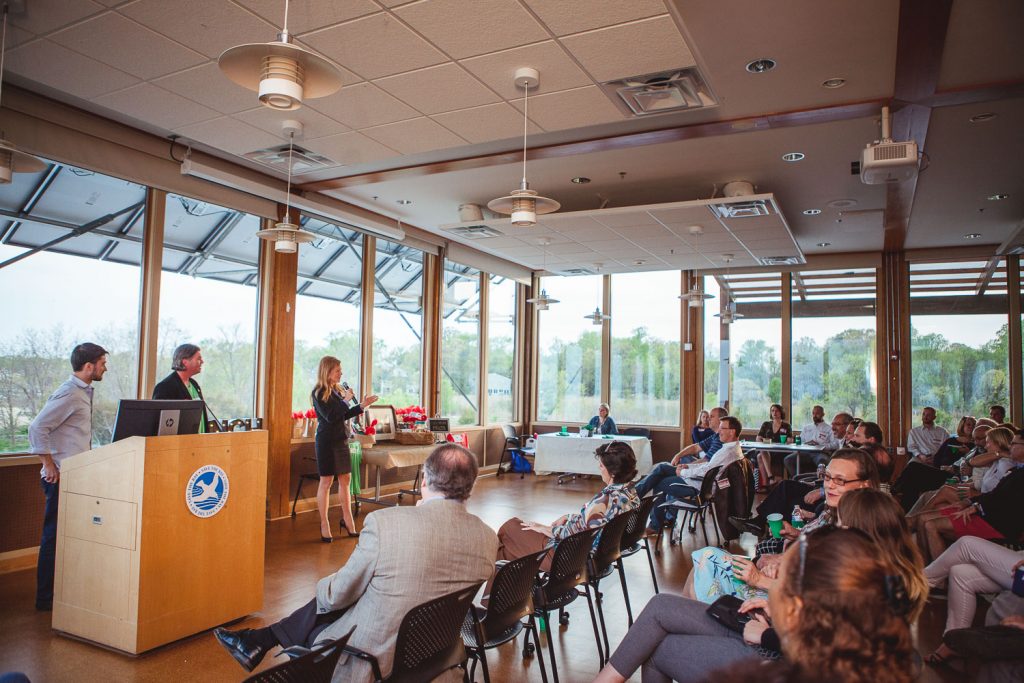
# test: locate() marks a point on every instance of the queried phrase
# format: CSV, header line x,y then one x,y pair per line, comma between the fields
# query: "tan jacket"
x,y
405,557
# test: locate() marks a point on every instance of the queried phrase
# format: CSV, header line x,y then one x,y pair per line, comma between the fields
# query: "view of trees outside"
x,y
755,358
501,350
460,344
569,351
712,349
324,327
398,326
61,301
645,348
835,370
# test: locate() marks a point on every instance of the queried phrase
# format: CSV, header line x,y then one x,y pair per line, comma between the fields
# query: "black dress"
x,y
766,432
332,416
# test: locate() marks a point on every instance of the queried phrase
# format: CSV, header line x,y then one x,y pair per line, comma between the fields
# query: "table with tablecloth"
x,y
574,453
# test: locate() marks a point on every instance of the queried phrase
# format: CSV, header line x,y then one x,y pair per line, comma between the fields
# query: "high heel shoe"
x,y
326,539
344,527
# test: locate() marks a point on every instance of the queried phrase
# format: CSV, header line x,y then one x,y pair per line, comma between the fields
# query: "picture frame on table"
x,y
387,421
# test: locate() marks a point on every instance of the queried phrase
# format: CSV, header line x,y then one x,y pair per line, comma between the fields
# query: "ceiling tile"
x,y
487,123
43,16
464,28
208,26
57,67
315,124
564,17
557,70
572,109
363,105
438,89
350,148
139,51
357,45
207,85
310,15
633,49
151,104
414,136
230,135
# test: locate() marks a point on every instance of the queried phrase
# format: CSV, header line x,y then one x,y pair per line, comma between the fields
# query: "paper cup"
x,y
775,524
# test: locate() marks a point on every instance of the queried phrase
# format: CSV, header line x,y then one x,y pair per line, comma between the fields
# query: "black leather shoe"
x,y
750,524
241,647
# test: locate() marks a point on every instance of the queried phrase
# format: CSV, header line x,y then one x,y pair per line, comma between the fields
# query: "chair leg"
x,y
531,627
714,522
703,526
470,672
599,598
551,644
650,561
593,620
625,590
482,656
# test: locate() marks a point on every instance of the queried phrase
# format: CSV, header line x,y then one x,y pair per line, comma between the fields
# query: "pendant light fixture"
x,y
543,301
11,159
282,73
524,204
696,296
728,315
285,235
597,317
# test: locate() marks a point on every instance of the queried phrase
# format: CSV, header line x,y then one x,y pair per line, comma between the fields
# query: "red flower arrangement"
x,y
411,414
297,415
371,428
310,413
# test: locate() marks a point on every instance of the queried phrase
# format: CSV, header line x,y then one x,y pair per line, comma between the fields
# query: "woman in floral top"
x,y
617,463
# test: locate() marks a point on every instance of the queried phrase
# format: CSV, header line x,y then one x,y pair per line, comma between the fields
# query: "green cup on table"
x,y
775,524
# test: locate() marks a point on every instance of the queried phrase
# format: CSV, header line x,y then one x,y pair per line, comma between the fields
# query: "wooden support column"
x,y
275,359
606,340
483,337
787,345
433,291
366,299
691,360
1014,339
149,291
893,347
528,358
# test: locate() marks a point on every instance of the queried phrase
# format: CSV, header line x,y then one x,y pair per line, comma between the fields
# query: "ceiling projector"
x,y
885,161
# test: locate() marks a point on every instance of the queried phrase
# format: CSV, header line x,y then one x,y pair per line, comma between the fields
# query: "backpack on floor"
x,y
520,465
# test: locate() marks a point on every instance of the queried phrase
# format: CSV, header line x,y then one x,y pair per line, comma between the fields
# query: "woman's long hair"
x,y
1001,437
323,386
879,516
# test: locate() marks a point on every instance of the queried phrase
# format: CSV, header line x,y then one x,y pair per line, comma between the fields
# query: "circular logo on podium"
x,y
206,491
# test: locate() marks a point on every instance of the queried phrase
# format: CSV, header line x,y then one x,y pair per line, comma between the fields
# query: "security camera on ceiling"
x,y
885,161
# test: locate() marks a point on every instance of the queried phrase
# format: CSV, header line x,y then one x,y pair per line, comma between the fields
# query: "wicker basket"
x,y
411,438
367,440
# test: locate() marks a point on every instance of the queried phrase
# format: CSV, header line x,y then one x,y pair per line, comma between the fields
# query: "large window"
x,y
716,384
959,338
833,362
645,348
208,298
501,349
569,376
755,361
397,324
81,288
460,344
327,308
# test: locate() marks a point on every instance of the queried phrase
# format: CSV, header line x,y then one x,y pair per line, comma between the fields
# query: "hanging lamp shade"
x,y
543,301
286,237
695,297
728,317
597,317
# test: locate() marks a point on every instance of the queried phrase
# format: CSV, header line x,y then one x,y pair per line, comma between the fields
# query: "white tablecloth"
x,y
574,453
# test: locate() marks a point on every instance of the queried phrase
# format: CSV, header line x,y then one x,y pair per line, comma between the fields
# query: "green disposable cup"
x,y
775,524
782,439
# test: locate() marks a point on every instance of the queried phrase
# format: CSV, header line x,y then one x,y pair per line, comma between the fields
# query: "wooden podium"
x,y
136,568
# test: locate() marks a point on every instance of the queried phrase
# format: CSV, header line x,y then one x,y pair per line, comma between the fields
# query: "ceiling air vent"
x,y
780,260
756,207
474,232
577,271
659,93
303,160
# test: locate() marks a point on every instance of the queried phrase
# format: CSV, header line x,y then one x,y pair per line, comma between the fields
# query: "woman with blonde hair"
x,y
702,428
333,405
879,516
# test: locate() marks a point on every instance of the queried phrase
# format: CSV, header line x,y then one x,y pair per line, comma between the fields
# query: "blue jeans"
x,y
660,480
47,546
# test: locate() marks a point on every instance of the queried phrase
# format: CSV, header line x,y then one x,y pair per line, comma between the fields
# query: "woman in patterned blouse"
x,y
617,463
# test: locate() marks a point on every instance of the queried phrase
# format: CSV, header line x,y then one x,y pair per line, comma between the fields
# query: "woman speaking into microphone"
x,y
334,407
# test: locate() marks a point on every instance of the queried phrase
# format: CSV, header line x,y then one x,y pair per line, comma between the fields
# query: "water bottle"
x,y
821,472
797,519
796,440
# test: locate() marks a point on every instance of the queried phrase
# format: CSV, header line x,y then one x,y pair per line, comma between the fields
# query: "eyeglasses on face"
x,y
839,481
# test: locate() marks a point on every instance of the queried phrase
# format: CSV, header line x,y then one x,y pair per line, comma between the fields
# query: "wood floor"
x,y
296,559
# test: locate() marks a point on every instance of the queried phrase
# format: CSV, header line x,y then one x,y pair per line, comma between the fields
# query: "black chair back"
x,y
315,666
511,596
430,637
510,434
707,485
636,527
609,545
636,431
568,567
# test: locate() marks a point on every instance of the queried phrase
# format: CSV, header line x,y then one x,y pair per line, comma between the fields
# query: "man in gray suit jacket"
x,y
406,556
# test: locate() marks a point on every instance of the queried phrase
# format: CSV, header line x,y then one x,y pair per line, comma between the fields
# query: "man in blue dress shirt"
x,y
61,429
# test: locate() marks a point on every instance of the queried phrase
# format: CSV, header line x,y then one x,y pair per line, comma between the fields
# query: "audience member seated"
x,y
817,433
956,445
842,613
924,441
996,515
772,431
702,429
405,556
998,644
919,477
851,431
714,568
997,414
602,423
617,463
869,437
662,480
969,567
